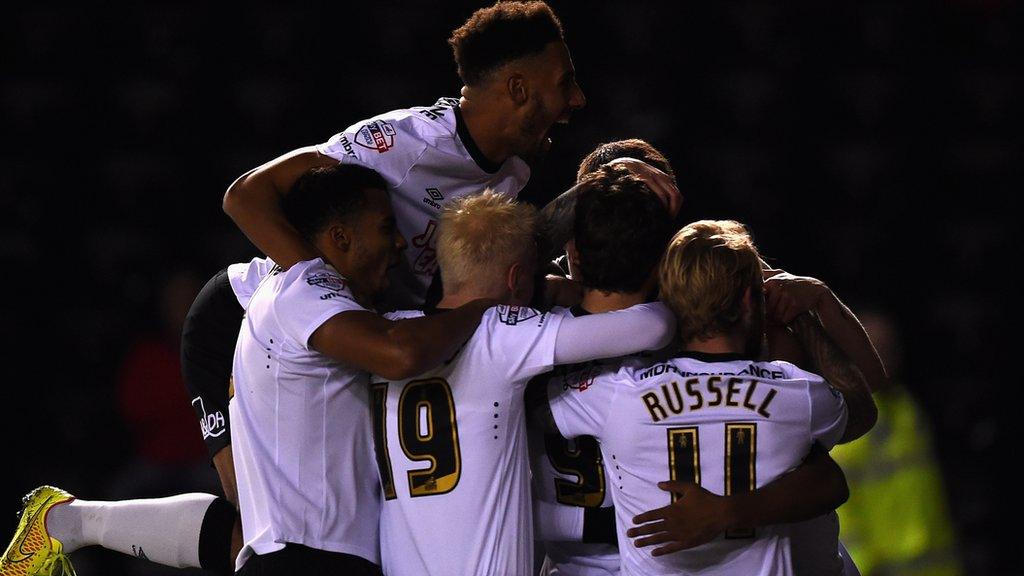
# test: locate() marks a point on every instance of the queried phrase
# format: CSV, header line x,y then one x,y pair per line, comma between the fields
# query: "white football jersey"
x,y
245,277
301,434
726,423
428,158
452,453
570,472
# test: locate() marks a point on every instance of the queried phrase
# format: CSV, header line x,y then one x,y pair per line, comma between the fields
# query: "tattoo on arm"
x,y
837,368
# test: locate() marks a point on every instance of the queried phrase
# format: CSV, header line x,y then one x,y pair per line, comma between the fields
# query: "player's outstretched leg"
x,y
33,550
184,531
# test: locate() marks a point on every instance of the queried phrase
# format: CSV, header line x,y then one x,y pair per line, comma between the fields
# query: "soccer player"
x,y
451,443
615,260
714,415
302,442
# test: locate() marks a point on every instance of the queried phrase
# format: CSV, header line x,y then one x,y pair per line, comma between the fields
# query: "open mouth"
x,y
555,132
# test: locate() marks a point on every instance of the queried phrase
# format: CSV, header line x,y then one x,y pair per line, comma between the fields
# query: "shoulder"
x,y
511,316
312,280
791,371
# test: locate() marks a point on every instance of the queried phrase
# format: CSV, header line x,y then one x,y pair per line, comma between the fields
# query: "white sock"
x,y
161,530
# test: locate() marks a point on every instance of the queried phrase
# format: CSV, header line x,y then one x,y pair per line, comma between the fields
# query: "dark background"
x,y
871,144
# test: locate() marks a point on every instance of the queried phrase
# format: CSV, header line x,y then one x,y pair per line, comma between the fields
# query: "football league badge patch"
x,y
376,135
513,315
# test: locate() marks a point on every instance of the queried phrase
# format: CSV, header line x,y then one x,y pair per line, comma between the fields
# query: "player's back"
x,y
452,453
728,424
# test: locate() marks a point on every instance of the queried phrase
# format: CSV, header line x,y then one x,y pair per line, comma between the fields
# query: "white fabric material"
x,y
301,432
162,530
647,411
553,521
479,519
613,334
426,164
246,277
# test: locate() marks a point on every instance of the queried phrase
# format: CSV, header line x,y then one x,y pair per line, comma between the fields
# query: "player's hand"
x,y
698,517
659,182
787,296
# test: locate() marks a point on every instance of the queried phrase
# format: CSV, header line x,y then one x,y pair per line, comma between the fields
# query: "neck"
x,y
338,261
597,301
718,344
483,123
467,295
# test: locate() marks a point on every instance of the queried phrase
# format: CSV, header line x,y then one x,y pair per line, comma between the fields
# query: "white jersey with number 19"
x,y
451,451
728,424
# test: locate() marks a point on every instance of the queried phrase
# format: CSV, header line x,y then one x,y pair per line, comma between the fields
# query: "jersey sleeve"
x,y
313,293
246,277
390,144
581,400
828,413
521,340
612,334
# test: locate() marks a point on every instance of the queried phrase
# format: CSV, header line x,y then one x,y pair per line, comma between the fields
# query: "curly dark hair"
x,y
329,194
629,148
501,33
621,230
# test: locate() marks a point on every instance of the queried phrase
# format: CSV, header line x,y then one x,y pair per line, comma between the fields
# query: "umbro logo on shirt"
x,y
376,135
434,199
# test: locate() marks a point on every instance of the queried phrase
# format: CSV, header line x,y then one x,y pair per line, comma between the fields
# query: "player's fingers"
x,y
652,528
661,538
651,515
670,548
677,487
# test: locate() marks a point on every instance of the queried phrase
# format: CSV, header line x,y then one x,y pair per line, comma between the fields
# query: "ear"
x,y
517,89
513,277
340,236
747,304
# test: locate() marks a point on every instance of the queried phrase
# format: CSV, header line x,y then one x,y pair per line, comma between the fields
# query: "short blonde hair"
x,y
708,266
481,236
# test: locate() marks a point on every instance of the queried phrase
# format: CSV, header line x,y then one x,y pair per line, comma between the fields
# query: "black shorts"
x,y
207,351
297,559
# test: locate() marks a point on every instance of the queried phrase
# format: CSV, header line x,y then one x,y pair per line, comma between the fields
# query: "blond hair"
x,y
705,271
481,236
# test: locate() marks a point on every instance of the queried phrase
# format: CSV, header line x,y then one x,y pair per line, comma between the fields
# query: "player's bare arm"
x,y
253,201
787,295
841,372
814,488
397,349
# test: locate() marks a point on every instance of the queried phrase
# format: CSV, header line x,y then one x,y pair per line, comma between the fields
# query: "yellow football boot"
x,y
33,551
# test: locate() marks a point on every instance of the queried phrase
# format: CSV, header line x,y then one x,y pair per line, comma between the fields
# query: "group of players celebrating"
x,y
628,408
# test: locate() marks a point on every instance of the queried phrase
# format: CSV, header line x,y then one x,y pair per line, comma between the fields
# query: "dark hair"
x,y
501,33
629,148
329,194
621,230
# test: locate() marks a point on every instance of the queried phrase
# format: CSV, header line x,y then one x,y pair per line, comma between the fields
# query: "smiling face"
x,y
376,246
552,95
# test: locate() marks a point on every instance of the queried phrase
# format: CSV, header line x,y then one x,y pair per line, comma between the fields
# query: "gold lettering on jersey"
x,y
677,406
698,394
651,401
714,389
733,391
694,393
